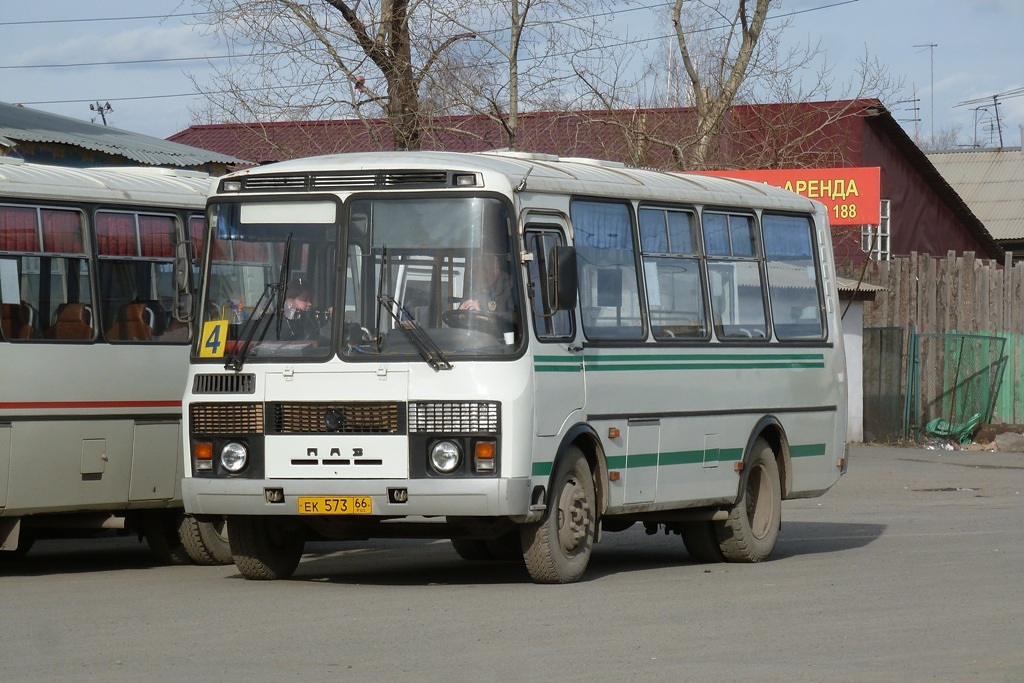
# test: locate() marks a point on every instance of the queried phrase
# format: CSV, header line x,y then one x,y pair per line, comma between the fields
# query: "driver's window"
x,y
549,324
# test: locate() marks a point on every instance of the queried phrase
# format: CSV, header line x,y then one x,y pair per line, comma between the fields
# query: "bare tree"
x,y
713,69
327,58
717,71
517,59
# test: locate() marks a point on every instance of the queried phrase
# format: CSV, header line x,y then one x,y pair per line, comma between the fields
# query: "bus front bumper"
x,y
391,498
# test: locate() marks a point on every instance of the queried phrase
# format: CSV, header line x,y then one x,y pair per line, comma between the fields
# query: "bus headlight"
x,y
233,457
445,456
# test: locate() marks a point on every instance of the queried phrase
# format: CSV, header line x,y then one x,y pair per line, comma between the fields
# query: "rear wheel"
x,y
701,541
206,542
750,532
557,549
162,531
265,548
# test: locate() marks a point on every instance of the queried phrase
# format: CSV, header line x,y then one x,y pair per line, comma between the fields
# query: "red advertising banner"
x,y
851,194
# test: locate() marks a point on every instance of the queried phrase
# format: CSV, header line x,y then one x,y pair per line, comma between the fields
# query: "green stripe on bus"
x,y
619,462
541,469
675,361
807,450
636,357
634,367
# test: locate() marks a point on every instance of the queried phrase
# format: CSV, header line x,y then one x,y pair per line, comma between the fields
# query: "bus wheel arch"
x,y
583,437
769,429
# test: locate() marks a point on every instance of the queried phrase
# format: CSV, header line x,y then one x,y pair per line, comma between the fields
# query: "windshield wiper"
x,y
272,301
428,349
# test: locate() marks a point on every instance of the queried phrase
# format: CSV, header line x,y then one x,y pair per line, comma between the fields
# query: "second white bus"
x,y
513,351
96,323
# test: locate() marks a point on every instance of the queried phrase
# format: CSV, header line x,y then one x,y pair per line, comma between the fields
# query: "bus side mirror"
x,y
563,281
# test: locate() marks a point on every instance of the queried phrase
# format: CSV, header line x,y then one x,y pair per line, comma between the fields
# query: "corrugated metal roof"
x,y
991,183
32,125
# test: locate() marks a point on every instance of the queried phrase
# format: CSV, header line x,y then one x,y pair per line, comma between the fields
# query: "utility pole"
x,y
101,109
931,57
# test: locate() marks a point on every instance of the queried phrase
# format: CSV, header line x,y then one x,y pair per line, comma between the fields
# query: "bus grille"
x,y
224,384
226,418
363,417
456,417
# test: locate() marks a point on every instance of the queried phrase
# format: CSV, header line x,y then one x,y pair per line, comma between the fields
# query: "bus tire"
x,y
206,542
162,529
750,532
263,548
557,549
701,541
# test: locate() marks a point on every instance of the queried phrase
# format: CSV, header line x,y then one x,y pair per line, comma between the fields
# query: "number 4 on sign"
x,y
215,333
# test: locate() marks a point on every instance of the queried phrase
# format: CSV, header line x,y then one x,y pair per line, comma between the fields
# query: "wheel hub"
x,y
573,516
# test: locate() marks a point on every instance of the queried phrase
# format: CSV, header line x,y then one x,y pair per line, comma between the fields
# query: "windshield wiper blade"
x,y
237,357
428,349
271,300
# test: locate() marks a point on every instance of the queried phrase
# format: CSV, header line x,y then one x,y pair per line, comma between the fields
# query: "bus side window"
x,y
793,282
549,321
609,286
734,272
675,291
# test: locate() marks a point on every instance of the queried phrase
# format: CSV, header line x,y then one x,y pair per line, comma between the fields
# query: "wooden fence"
x,y
961,294
937,295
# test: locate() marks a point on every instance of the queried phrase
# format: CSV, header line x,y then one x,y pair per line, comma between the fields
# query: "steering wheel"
x,y
473,320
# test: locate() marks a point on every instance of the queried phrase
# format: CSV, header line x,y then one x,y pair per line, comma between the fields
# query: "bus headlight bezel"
x,y
445,456
234,457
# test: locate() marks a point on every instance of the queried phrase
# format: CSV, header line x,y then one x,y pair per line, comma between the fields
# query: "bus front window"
x,y
271,283
440,266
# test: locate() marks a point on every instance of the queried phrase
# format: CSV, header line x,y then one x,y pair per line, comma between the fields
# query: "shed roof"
x,y
991,183
21,124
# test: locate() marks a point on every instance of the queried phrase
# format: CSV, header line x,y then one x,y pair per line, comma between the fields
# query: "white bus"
x,y
93,355
513,351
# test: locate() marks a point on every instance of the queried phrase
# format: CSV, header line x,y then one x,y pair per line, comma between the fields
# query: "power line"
x,y
639,41
219,57
84,20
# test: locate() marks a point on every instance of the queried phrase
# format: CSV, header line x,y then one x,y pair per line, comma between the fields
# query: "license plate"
x,y
335,505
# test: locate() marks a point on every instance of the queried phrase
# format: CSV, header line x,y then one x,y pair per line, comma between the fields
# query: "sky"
x,y
62,56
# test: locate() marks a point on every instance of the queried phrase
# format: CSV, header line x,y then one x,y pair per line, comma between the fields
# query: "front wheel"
x,y
750,532
557,549
265,548
206,542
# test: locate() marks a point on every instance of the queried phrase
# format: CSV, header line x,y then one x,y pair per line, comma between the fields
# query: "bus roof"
x,y
114,185
529,172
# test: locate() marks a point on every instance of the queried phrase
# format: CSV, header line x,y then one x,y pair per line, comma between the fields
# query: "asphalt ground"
x,y
910,569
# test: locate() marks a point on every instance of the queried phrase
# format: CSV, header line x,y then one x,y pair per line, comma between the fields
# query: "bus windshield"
x,y
271,283
430,275
427,277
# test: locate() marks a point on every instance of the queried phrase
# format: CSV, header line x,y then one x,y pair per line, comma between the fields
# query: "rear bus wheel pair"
x,y
750,532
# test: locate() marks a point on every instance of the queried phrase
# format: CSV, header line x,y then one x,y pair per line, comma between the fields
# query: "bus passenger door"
x,y
559,386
